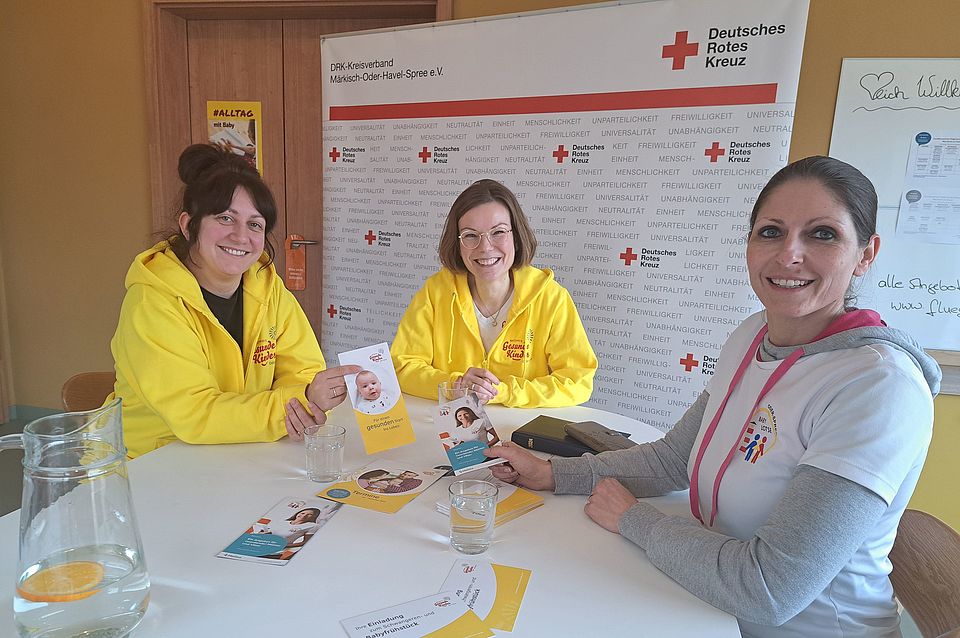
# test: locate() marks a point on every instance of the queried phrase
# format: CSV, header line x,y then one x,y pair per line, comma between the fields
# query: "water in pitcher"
x,y
98,591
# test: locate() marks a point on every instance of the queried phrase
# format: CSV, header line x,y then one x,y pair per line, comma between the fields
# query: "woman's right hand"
x,y
328,389
481,381
522,468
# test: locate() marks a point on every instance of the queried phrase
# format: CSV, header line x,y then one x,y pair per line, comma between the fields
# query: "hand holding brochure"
x,y
280,533
377,403
465,431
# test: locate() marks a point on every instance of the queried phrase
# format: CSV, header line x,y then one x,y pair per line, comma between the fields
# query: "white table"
x,y
193,500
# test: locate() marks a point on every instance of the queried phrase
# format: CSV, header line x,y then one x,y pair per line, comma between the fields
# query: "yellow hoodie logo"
x,y
265,352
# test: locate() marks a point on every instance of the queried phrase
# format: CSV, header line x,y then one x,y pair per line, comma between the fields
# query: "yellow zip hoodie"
x,y
542,356
181,374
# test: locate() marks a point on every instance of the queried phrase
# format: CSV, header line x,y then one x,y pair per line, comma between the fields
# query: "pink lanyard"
x,y
708,435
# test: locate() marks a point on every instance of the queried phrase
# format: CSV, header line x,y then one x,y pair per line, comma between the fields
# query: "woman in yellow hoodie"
x,y
210,346
489,321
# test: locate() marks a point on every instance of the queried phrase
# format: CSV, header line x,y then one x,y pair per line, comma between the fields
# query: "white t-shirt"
x,y
477,431
822,413
489,329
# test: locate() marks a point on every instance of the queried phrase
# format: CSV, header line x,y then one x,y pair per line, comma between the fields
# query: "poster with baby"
x,y
377,403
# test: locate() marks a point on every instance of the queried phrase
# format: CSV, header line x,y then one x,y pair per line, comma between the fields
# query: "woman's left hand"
x,y
481,381
297,418
608,503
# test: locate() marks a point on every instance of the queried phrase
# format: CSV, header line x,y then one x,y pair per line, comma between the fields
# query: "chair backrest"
x,y
86,391
926,572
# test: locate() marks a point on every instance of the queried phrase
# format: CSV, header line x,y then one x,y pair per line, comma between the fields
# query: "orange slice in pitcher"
x,y
63,583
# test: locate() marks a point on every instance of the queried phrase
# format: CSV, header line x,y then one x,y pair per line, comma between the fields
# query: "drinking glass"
x,y
447,392
473,510
324,448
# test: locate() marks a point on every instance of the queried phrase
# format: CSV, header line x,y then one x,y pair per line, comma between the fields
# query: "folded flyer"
x,y
493,592
512,501
377,402
465,431
385,486
280,533
442,615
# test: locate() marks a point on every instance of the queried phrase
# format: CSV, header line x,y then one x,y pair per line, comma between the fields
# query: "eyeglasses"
x,y
471,239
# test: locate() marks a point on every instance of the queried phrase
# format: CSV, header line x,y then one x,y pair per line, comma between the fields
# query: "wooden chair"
x,y
86,391
926,573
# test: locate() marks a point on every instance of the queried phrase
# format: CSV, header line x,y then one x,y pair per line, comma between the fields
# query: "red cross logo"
x,y
331,311
334,154
688,362
560,153
680,50
714,152
424,155
628,256
370,237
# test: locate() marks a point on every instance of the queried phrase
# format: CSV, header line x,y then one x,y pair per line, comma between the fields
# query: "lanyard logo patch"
x,y
761,435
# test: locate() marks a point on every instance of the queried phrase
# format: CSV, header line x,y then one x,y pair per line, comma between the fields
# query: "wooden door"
x,y
253,50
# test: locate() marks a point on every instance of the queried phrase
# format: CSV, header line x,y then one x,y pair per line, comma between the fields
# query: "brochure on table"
x,y
493,592
384,486
465,431
512,501
376,399
441,615
279,534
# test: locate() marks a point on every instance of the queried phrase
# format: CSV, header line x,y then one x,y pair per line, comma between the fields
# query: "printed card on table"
x,y
442,615
385,486
280,533
512,501
376,399
493,592
465,431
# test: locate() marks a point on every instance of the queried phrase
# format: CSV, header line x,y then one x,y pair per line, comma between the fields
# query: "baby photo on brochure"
x,y
465,431
375,395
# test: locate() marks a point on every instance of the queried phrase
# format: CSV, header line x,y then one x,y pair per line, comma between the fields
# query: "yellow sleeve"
x,y
299,358
161,352
414,353
571,362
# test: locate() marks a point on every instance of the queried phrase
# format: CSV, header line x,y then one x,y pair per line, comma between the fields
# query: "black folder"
x,y
546,434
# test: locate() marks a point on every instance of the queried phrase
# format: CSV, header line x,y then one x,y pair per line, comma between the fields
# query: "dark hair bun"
x,y
199,160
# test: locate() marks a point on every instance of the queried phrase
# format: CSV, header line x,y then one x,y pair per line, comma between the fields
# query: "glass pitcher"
x,y
81,568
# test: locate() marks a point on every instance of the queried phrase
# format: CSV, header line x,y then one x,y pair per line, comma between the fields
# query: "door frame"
x,y
168,92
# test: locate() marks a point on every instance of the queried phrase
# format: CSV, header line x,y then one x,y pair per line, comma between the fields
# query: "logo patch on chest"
x,y
761,435
265,352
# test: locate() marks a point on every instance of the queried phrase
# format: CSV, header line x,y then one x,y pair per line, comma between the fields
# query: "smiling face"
x,y
306,516
369,386
464,418
228,244
801,255
489,261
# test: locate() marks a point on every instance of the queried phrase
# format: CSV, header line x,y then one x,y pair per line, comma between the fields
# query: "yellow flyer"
x,y
377,402
493,591
236,127
386,486
512,501
442,615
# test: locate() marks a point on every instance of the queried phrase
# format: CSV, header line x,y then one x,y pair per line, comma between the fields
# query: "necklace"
x,y
496,317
